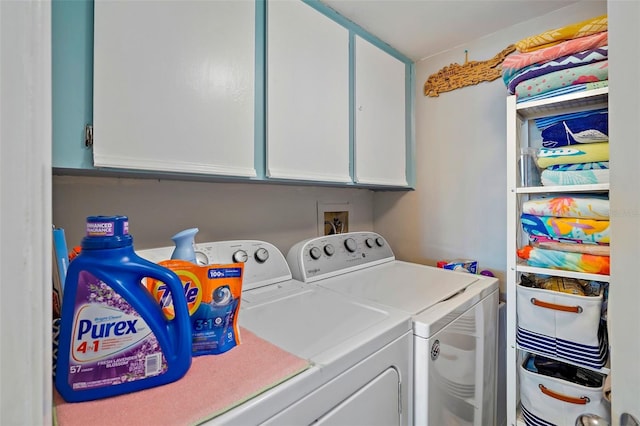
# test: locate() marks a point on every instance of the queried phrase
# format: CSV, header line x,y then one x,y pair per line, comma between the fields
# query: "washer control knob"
x,y
350,245
201,258
329,250
369,242
240,256
261,255
379,241
315,253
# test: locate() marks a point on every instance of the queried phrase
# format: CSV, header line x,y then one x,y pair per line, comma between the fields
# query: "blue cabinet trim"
x,y
72,81
260,126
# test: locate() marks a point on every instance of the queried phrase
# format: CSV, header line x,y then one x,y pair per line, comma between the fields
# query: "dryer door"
x,y
455,369
351,399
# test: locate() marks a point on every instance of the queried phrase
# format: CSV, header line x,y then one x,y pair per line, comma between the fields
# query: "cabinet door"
x,y
307,94
174,86
380,129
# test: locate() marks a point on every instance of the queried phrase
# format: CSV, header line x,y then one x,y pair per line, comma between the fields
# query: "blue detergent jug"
x,y
114,337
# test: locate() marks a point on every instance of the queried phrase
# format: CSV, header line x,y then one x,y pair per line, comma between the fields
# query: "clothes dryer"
x,y
360,353
454,319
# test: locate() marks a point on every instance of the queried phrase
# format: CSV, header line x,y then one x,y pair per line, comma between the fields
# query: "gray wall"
x,y
157,209
459,207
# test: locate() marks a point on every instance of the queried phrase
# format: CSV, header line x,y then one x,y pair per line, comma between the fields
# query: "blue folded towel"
x,y
544,122
588,129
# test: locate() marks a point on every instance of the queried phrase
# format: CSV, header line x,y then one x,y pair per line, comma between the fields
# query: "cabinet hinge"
x,y
88,135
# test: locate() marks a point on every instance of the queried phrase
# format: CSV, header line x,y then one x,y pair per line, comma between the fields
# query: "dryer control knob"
x,y
369,242
350,244
240,256
315,253
329,250
379,241
261,255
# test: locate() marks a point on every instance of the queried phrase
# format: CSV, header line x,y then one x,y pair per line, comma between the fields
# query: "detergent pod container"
x,y
114,337
212,293
185,242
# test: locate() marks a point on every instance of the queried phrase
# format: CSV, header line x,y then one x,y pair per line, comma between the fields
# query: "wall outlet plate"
x,y
333,218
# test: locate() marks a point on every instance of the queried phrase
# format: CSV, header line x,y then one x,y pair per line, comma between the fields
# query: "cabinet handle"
x,y
564,308
583,400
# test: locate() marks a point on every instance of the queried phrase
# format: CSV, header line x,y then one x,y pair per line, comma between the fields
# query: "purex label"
x,y
110,342
100,331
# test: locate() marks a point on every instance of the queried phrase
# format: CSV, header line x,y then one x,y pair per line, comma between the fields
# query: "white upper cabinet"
x,y
307,94
276,90
380,117
174,86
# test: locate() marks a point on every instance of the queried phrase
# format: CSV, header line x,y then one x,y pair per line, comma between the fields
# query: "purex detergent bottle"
x,y
114,337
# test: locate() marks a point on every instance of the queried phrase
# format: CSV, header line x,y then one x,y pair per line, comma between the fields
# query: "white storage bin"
x,y
561,325
552,401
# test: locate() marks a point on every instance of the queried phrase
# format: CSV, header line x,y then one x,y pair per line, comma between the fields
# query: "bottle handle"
x,y
183,327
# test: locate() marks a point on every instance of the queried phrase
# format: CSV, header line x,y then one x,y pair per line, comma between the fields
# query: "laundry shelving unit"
x,y
521,132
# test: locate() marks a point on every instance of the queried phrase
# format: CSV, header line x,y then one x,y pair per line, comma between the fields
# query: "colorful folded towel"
x,y
565,228
567,261
518,61
583,153
572,31
565,62
569,206
596,71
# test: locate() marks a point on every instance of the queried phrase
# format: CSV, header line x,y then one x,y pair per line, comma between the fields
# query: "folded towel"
x,y
584,153
572,31
597,165
596,71
565,228
564,62
544,122
214,384
595,249
555,259
575,177
589,129
564,90
518,61
585,207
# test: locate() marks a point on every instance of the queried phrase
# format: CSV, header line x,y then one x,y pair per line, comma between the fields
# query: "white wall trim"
x,y
25,212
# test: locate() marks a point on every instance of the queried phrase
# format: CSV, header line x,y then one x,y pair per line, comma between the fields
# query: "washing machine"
x,y
454,320
359,353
